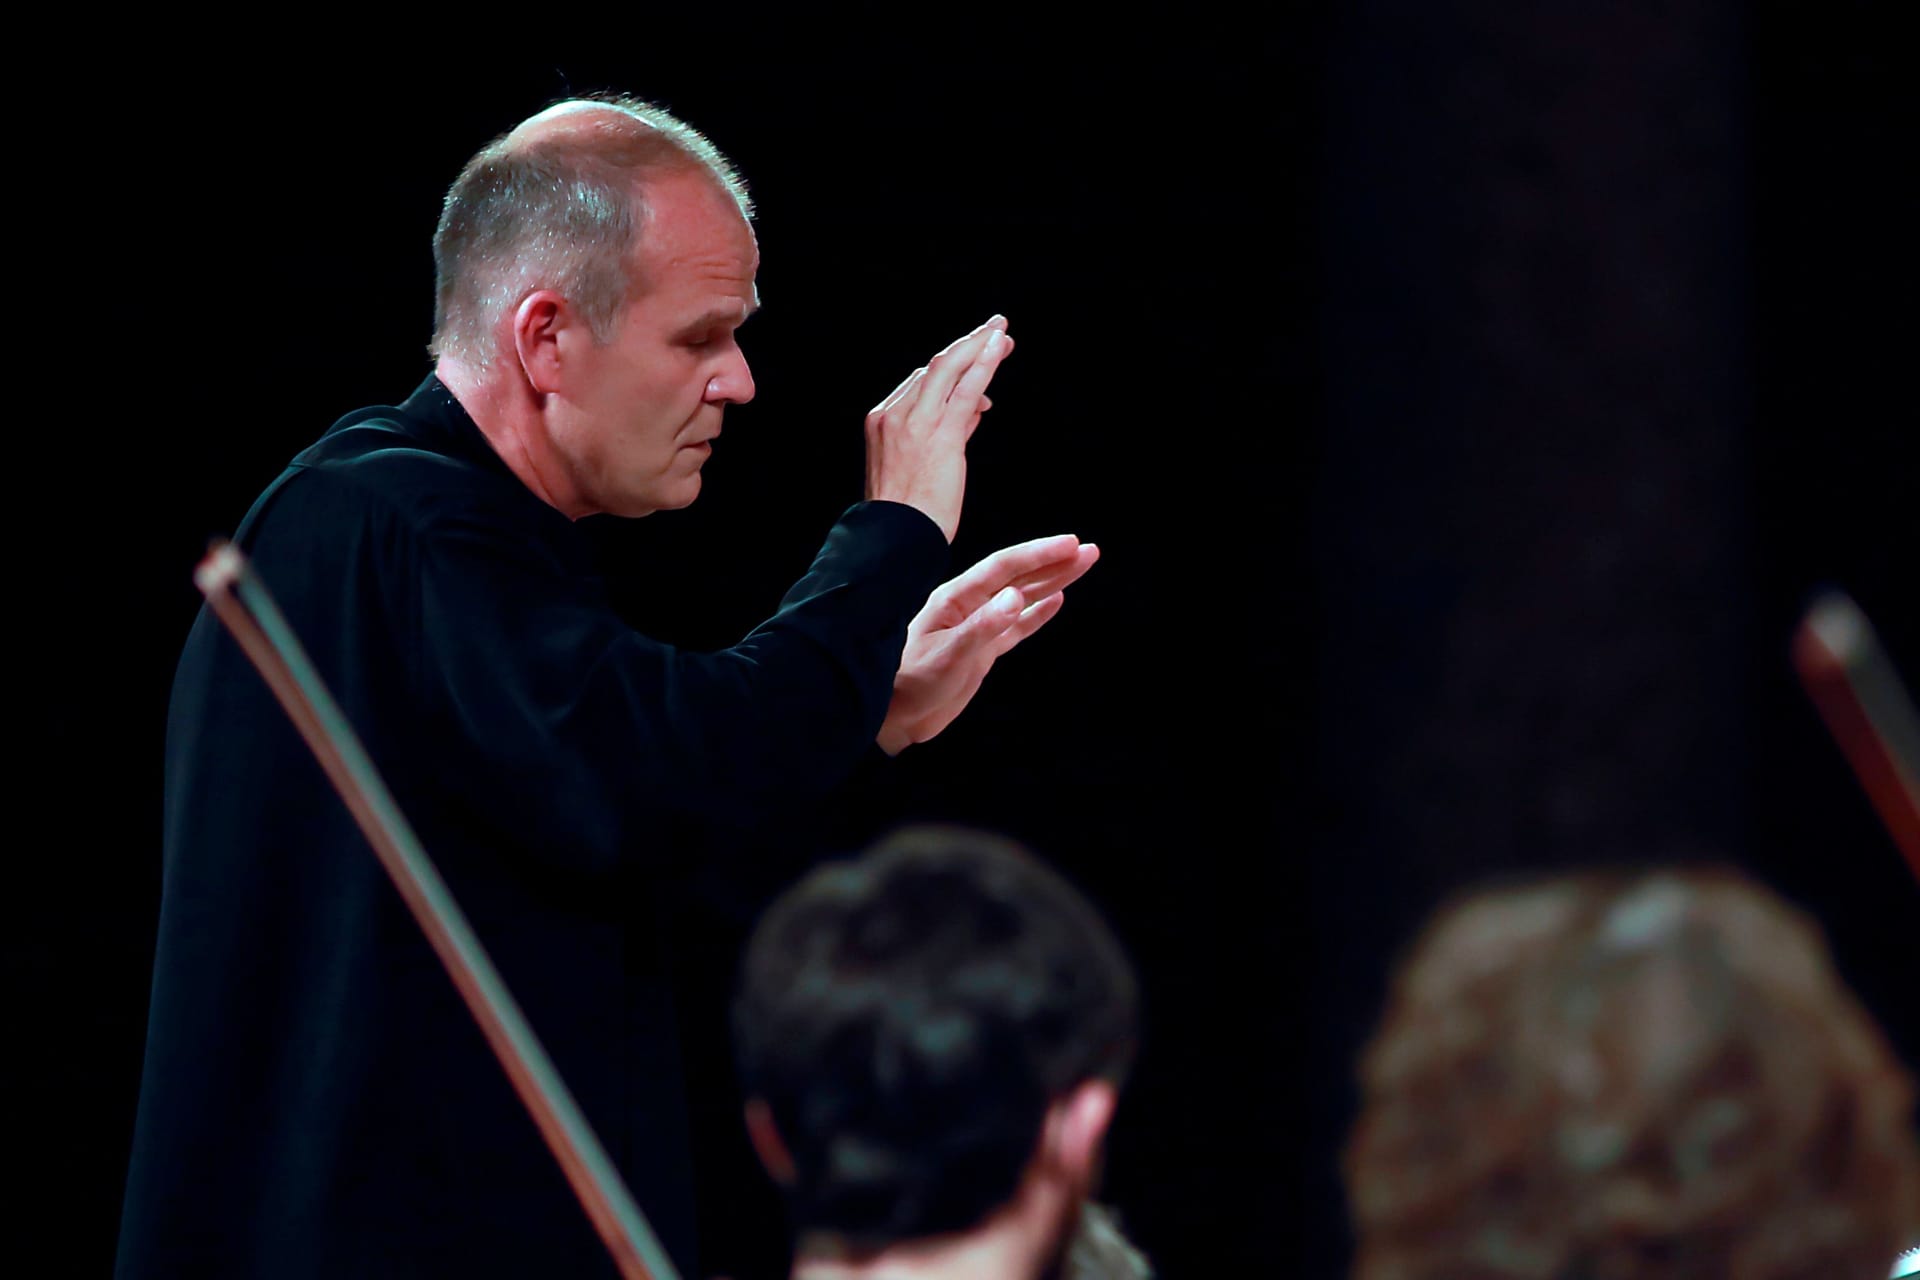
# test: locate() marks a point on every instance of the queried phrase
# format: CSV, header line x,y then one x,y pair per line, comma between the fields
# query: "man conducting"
x,y
315,1100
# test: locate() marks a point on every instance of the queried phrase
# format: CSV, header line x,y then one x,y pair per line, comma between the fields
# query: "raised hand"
x,y
917,437
969,622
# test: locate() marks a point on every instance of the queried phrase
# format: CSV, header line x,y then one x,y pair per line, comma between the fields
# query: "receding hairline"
x,y
584,125
570,119
566,193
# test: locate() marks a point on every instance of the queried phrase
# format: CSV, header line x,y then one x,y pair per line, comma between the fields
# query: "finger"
x,y
1008,565
995,321
1035,615
1047,581
945,353
989,622
973,419
1058,577
1030,562
971,385
966,348
1031,619
893,397
951,376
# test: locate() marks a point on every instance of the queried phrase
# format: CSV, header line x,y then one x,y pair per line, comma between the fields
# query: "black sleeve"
x,y
549,703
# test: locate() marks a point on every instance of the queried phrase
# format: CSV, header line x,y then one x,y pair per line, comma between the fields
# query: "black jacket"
x,y
315,1100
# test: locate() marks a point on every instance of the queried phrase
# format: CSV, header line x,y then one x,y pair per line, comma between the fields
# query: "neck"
x,y
975,1255
1015,1243
509,416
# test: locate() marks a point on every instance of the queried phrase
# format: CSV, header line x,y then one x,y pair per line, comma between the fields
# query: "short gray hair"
x,y
561,213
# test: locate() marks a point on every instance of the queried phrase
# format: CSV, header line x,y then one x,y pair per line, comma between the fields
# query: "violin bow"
x,y
244,606
1851,680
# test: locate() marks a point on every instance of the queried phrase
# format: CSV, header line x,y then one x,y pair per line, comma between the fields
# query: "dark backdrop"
x,y
1466,402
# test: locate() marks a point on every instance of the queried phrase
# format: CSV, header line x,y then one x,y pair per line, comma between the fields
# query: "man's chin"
x,y
672,497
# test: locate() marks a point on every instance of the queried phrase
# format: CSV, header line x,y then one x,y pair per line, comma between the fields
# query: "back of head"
x,y
557,203
1654,1076
908,1018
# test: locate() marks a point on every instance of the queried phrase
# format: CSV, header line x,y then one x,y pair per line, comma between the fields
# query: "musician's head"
x,y
1655,1075
932,1037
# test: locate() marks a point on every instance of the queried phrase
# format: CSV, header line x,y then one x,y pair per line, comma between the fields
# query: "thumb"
x,y
997,614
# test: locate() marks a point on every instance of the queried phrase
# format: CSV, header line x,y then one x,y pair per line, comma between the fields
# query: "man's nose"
x,y
733,385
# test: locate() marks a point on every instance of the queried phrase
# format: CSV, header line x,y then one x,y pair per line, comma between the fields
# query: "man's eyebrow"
x,y
723,315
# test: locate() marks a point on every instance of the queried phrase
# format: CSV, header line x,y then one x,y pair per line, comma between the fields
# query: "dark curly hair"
x,y
909,1016
1653,1075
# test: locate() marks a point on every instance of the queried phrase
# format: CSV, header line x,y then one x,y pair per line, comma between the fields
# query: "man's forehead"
x,y
711,271
700,243
692,200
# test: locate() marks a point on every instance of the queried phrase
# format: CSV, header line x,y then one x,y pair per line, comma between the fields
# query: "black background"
x,y
1466,403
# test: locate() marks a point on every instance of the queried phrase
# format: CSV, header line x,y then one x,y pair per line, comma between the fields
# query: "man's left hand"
x,y
970,621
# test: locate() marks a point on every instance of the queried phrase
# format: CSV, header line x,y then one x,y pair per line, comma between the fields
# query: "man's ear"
x,y
540,323
767,1143
1079,1125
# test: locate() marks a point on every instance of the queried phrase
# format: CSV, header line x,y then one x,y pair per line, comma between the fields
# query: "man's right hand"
x,y
917,437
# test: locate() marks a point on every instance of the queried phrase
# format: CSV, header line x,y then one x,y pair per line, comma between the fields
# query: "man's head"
x,y
592,266
1654,1076
930,1034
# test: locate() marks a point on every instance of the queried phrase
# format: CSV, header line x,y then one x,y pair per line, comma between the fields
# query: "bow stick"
x,y
1858,692
246,609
